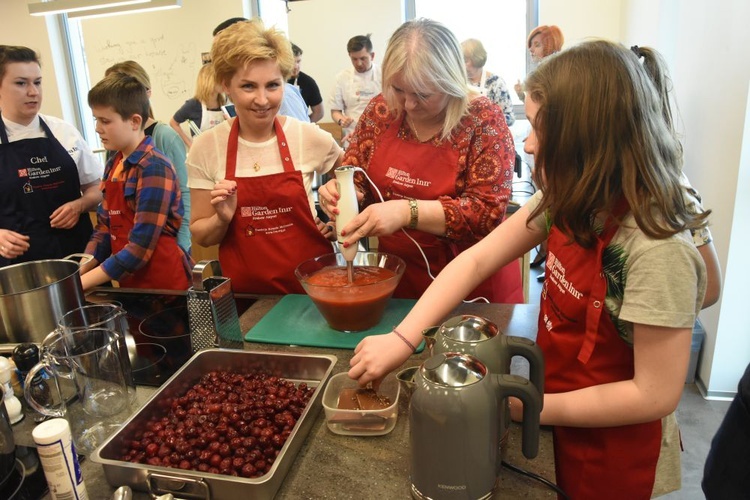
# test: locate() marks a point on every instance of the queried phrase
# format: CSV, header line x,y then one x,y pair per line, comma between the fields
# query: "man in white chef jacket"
x,y
355,86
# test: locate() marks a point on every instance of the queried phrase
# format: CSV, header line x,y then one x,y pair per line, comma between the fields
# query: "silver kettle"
x,y
455,418
482,338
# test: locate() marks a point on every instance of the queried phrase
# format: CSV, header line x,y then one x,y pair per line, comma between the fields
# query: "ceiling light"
x,y
128,9
50,7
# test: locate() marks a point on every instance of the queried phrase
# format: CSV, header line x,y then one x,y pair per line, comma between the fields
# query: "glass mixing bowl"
x,y
357,306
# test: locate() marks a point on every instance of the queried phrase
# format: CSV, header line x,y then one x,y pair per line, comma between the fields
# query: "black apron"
x,y
38,175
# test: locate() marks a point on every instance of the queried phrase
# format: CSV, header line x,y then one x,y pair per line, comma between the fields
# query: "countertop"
x,y
331,466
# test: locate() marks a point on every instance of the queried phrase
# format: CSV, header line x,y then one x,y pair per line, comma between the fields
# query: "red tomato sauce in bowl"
x,y
354,307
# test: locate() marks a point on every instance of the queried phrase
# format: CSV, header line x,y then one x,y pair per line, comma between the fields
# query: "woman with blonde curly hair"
x,y
251,176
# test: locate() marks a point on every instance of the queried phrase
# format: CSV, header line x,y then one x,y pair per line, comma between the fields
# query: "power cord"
x,y
549,484
424,257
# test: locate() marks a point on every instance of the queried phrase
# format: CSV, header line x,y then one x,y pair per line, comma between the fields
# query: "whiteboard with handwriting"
x,y
168,44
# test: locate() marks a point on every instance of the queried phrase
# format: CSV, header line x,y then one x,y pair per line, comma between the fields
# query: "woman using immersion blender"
x,y
251,177
442,158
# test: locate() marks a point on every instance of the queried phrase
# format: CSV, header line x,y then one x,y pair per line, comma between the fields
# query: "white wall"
x,y
708,50
168,44
322,28
581,19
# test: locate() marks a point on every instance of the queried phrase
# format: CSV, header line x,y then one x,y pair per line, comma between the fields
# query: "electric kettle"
x,y
482,338
455,420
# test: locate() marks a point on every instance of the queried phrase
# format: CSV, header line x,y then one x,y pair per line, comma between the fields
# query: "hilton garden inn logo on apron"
x,y
405,179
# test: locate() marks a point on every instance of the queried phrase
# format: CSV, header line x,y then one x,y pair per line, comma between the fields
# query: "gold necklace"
x,y
256,159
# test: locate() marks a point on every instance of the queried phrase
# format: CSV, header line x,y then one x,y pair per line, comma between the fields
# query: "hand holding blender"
x,y
348,209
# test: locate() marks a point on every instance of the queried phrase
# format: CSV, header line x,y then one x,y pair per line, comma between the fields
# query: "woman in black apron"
x,y
43,213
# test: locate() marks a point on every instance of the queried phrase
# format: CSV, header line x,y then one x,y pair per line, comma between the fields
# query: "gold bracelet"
x,y
413,214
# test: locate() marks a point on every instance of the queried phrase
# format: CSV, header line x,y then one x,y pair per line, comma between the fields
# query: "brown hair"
x,y
601,138
135,70
550,36
245,42
123,93
15,53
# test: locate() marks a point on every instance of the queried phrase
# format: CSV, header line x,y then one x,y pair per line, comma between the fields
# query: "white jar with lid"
x,y
59,459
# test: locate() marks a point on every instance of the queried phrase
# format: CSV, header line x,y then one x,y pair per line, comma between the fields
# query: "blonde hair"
x,y
245,42
205,86
474,52
601,138
428,57
132,68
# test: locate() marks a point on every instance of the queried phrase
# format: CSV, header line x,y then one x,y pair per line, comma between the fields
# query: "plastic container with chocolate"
x,y
353,411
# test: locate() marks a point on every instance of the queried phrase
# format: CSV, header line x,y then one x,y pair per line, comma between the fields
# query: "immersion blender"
x,y
348,209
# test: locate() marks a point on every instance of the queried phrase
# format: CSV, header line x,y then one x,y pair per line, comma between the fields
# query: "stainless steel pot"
x,y
35,295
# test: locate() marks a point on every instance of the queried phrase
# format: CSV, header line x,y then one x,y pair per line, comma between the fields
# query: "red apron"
x,y
582,348
423,171
272,230
164,269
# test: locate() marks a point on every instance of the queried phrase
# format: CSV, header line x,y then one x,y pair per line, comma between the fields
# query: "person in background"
x,y
543,41
355,86
292,103
251,177
442,158
307,86
727,470
167,141
135,241
50,176
625,281
656,68
203,109
485,82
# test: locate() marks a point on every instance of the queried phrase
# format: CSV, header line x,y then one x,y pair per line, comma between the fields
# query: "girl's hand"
x,y
224,199
375,357
13,244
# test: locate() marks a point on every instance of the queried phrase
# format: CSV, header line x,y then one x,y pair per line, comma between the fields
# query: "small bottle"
x,y
59,459
12,404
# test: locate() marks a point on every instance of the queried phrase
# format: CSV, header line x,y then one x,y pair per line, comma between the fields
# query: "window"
x,y
502,27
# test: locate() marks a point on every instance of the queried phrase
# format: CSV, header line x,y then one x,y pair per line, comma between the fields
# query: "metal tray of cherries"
x,y
229,423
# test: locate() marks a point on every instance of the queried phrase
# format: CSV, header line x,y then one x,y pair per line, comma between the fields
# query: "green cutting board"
x,y
296,321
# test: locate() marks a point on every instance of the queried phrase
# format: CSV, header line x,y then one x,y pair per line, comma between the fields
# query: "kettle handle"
x,y
513,385
529,350
428,334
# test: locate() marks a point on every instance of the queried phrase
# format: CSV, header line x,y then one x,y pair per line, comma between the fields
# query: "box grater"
x,y
211,309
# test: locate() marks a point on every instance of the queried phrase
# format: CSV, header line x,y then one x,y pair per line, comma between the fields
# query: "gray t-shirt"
x,y
658,278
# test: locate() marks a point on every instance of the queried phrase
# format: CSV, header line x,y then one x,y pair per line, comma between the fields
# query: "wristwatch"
x,y
339,122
